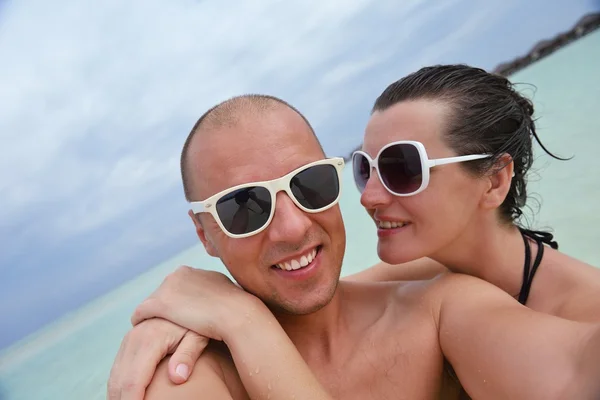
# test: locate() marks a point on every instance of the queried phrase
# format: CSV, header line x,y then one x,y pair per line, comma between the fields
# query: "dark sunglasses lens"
x,y
400,168
316,187
245,210
361,170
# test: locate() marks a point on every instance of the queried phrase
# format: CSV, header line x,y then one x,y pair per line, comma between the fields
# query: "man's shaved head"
x,y
257,138
230,113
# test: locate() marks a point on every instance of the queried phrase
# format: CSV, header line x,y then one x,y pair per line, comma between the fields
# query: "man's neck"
x,y
490,252
317,335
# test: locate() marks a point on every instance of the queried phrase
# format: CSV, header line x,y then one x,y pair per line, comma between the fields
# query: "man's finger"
x,y
185,356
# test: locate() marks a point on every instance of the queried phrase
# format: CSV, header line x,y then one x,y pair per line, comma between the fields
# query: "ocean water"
x,y
71,358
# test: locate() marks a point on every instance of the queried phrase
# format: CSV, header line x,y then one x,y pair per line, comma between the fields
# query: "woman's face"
x,y
435,218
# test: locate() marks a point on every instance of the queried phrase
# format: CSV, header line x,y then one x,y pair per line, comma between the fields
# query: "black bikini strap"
x,y
540,238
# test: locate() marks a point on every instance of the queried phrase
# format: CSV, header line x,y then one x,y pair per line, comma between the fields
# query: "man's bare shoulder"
x,y
214,377
398,317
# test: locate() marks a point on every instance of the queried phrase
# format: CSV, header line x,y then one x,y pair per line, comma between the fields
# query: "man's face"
x,y
262,147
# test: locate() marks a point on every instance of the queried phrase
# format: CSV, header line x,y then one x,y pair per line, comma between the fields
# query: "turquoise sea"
x,y
71,358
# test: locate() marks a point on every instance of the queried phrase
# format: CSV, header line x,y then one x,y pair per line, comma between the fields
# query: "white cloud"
x,y
99,96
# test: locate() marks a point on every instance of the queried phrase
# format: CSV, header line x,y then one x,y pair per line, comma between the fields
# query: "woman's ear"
x,y
500,180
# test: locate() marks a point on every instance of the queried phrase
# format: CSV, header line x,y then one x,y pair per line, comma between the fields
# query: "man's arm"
x,y
417,270
213,378
501,349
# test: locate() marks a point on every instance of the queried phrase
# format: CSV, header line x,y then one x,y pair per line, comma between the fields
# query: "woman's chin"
x,y
395,255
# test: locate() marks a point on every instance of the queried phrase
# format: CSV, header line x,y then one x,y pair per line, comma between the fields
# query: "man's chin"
x,y
299,307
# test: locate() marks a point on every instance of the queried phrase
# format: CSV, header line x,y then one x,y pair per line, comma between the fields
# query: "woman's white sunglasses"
x,y
403,167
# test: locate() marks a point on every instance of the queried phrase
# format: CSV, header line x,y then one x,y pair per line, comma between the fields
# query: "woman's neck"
x,y
489,251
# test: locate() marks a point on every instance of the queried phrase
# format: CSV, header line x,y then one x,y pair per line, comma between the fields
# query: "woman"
x,y
478,131
419,125
464,215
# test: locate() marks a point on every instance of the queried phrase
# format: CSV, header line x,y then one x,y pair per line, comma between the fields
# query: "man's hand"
x,y
206,302
142,350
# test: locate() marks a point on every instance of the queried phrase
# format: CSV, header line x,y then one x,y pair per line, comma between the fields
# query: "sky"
x,y
97,98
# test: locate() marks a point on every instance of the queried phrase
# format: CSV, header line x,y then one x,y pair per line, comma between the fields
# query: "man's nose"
x,y
290,224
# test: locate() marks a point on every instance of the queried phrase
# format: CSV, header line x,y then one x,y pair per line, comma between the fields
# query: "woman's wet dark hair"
x,y
487,116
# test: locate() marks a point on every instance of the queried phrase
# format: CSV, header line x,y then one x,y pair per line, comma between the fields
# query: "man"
x,y
295,330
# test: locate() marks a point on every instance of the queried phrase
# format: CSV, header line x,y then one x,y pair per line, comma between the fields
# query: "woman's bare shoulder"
x,y
416,270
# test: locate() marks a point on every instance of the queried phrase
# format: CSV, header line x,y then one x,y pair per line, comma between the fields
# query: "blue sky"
x,y
97,98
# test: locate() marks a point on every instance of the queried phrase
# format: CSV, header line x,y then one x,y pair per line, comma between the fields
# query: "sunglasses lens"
x,y
245,210
400,168
316,187
361,170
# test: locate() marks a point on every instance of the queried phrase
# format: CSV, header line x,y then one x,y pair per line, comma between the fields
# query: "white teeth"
x,y
312,255
390,225
295,264
301,262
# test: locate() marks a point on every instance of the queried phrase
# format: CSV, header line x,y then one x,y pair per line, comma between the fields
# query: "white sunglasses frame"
x,y
426,165
274,186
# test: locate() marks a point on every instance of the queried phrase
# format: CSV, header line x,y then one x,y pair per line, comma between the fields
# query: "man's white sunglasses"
x,y
247,209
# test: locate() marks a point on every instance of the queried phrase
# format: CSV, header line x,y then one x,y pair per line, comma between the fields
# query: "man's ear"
x,y
500,181
208,245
